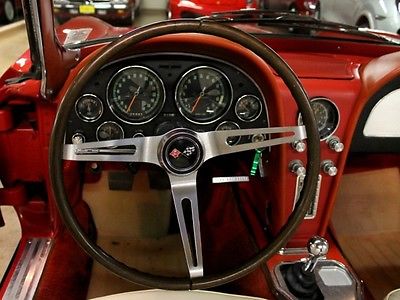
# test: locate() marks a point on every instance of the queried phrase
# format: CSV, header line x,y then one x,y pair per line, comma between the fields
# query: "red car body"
x,y
198,8
353,72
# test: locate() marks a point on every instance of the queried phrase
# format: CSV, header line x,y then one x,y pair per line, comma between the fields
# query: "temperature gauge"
x,y
248,108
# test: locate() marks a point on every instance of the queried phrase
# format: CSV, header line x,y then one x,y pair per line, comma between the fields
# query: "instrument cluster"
x,y
150,95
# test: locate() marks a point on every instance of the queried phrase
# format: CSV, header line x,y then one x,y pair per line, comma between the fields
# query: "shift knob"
x,y
317,248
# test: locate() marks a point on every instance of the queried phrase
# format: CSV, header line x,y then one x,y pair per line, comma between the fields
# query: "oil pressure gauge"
x,y
109,131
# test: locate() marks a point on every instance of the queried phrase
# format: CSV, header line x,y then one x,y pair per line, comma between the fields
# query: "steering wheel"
x,y
182,172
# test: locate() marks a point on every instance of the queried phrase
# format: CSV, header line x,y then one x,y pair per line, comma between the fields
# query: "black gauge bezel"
x,y
109,122
332,110
87,119
259,109
216,117
237,127
117,112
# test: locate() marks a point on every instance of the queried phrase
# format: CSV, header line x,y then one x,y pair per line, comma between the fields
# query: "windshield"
x,y
80,23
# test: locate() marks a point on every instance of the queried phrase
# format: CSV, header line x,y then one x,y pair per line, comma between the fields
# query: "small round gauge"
x,y
326,115
109,131
203,95
228,125
248,108
89,108
136,94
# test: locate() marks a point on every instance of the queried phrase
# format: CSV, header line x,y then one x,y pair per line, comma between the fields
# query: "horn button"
x,y
182,153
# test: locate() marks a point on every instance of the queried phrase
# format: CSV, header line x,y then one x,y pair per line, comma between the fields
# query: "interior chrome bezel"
x,y
88,119
109,122
299,118
259,111
213,120
126,119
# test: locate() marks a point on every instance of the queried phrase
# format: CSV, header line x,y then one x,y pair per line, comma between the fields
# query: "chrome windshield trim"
x,y
38,37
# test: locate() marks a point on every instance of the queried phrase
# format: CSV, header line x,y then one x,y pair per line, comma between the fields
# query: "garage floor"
x,y
367,225
14,36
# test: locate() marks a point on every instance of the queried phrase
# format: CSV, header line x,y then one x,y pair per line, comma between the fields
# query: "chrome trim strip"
x,y
312,211
230,179
29,270
293,251
38,37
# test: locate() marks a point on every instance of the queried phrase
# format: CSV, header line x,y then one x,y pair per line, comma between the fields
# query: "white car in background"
x,y
374,14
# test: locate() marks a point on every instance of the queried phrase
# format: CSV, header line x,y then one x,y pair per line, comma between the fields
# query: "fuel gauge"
x,y
89,108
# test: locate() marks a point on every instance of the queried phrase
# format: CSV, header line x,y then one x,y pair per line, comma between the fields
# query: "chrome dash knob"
x,y
329,168
299,146
297,167
335,144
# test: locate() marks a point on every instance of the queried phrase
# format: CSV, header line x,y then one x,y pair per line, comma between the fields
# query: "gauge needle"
x,y
133,99
196,102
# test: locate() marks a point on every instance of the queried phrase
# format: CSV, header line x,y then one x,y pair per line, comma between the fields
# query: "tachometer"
x,y
203,94
136,94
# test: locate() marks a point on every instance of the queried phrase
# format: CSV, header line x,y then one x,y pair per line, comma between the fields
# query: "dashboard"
x,y
151,94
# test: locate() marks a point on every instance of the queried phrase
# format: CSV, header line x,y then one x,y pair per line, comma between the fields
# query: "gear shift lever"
x,y
317,248
300,277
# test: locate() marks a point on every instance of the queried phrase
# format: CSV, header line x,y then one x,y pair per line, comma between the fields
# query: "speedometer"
x,y
203,94
136,94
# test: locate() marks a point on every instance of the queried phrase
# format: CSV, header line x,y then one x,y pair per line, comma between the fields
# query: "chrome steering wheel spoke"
x,y
215,142
184,193
139,149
